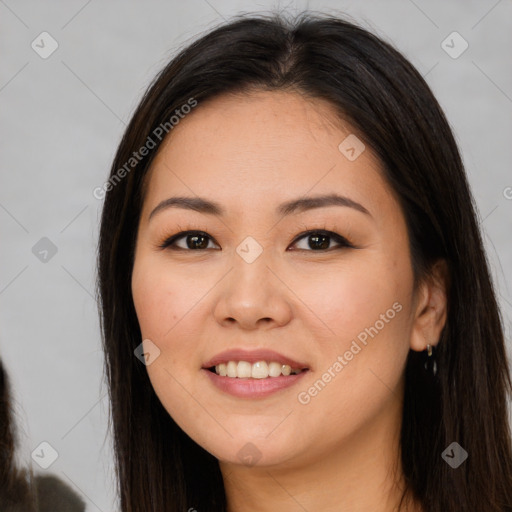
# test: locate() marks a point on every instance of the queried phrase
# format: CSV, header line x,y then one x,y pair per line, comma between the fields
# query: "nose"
x,y
253,296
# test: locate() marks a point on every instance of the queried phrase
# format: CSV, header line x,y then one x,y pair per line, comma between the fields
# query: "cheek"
x,y
366,343
359,372
350,300
161,298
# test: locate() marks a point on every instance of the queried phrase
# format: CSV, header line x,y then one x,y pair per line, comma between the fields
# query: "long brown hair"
x,y
373,87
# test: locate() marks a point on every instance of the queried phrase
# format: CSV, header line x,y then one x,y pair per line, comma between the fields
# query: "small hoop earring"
x,y
431,362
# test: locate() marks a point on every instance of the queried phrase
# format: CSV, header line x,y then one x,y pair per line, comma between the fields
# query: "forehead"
x,y
264,147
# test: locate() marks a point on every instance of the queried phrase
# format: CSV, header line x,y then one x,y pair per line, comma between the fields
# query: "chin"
x,y
253,451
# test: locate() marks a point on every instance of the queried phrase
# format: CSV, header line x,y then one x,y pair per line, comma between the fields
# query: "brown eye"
x,y
194,240
320,240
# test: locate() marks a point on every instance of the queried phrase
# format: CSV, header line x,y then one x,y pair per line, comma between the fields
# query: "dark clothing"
x,y
50,494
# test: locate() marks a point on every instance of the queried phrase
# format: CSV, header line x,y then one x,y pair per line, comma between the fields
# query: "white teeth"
x,y
274,369
258,370
231,369
243,370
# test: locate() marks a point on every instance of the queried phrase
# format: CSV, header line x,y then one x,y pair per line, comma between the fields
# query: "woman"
x,y
296,305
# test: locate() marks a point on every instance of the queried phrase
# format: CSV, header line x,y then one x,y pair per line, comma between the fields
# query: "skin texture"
x,y
250,153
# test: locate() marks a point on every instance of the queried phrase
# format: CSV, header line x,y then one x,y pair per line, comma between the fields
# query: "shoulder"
x,y
56,496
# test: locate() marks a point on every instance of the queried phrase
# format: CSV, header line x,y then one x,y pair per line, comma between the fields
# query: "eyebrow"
x,y
208,207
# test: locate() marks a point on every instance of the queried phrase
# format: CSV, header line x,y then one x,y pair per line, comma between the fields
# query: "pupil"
x,y
325,241
194,245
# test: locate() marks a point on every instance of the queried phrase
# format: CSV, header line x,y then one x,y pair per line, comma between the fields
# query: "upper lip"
x,y
253,356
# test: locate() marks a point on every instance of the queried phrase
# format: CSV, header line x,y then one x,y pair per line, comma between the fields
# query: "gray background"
x,y
62,118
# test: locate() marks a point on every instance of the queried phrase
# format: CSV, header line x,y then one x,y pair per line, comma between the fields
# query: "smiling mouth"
x,y
258,370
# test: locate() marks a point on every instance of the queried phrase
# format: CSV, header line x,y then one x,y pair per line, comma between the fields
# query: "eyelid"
x,y
167,243
339,239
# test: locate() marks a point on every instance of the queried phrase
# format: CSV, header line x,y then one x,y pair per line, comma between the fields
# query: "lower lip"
x,y
253,388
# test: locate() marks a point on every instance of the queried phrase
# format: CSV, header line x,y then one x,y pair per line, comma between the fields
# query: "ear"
x,y
431,308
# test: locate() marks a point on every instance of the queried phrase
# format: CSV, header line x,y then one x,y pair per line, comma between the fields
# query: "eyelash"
x,y
169,242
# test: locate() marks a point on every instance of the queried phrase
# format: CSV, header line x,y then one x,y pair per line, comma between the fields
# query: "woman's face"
x,y
253,280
